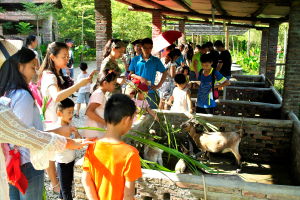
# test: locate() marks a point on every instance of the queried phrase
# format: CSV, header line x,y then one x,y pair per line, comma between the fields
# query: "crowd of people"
x,y
43,100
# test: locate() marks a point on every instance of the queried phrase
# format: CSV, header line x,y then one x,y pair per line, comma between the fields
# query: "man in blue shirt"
x,y
144,68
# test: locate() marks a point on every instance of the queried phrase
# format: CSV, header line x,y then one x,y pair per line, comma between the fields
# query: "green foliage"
x,y
250,64
81,51
40,11
70,19
24,28
130,25
7,25
2,10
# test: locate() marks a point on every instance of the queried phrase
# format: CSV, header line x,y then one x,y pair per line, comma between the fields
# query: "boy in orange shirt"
x,y
111,166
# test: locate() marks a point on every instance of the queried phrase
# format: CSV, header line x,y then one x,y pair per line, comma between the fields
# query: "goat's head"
x,y
192,123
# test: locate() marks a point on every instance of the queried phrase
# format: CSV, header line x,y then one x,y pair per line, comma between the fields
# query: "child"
x,y
95,110
65,159
111,166
83,92
181,95
185,70
141,102
207,77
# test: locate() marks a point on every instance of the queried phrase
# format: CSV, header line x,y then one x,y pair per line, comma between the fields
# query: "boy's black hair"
x,y
83,66
180,79
138,41
66,103
218,43
198,46
206,58
117,107
209,44
173,53
146,41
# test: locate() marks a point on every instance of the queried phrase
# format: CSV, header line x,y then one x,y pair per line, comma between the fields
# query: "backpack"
x,y
214,90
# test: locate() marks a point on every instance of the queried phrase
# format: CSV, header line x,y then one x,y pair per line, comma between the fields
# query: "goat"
x,y
214,141
153,154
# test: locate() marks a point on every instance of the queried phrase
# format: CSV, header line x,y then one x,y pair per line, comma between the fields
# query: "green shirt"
x,y
196,57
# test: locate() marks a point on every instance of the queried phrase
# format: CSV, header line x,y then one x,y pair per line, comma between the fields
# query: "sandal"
x,y
55,188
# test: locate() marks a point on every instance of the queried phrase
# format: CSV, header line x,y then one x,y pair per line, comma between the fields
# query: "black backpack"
x,y
213,82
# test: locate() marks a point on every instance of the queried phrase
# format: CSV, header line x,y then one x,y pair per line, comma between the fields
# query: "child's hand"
x,y
78,143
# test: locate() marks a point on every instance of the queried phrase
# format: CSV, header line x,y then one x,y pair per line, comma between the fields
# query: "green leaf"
x,y
191,163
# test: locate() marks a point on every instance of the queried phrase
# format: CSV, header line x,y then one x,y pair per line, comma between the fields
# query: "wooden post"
x,y
226,38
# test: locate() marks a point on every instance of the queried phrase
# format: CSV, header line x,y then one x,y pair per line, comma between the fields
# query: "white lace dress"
x,y
42,145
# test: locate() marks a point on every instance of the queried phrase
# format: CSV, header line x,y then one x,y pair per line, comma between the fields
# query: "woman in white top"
x,y
13,131
15,75
53,85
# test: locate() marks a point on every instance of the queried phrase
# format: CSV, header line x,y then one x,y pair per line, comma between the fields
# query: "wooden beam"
x,y
184,5
218,23
198,15
259,10
154,4
216,4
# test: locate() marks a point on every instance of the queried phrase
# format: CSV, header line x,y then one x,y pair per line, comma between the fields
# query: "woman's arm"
x,y
129,190
91,113
172,71
58,96
89,186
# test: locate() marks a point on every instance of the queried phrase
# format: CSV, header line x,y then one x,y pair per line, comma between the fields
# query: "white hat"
x,y
8,48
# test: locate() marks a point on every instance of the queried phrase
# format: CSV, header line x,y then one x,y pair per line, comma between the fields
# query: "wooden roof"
x,y
233,11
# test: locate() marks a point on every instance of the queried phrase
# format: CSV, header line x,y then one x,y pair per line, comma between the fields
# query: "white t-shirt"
x,y
86,88
65,156
48,79
180,100
97,97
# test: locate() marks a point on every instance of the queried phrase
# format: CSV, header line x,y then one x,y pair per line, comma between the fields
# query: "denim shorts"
x,y
35,184
83,97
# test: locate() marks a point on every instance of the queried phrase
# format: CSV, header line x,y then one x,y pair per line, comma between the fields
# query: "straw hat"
x,y
8,48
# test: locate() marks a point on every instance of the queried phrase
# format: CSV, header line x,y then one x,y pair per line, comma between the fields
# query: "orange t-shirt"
x,y
110,165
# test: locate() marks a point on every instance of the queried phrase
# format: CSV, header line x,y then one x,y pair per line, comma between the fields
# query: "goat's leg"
x,y
235,151
159,159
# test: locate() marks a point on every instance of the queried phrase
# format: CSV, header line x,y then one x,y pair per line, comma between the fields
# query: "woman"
x,y
32,43
167,87
15,75
113,50
53,85
13,131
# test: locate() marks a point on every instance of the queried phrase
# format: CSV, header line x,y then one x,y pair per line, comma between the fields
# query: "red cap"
x,y
144,87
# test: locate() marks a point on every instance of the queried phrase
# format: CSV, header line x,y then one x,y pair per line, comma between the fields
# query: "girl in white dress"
x,y
181,96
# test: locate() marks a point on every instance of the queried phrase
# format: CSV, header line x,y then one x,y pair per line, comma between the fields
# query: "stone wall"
x,y
159,185
252,94
103,27
264,140
250,102
248,81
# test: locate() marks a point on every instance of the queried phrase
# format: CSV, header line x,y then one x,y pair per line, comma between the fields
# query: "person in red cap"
x,y
140,100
